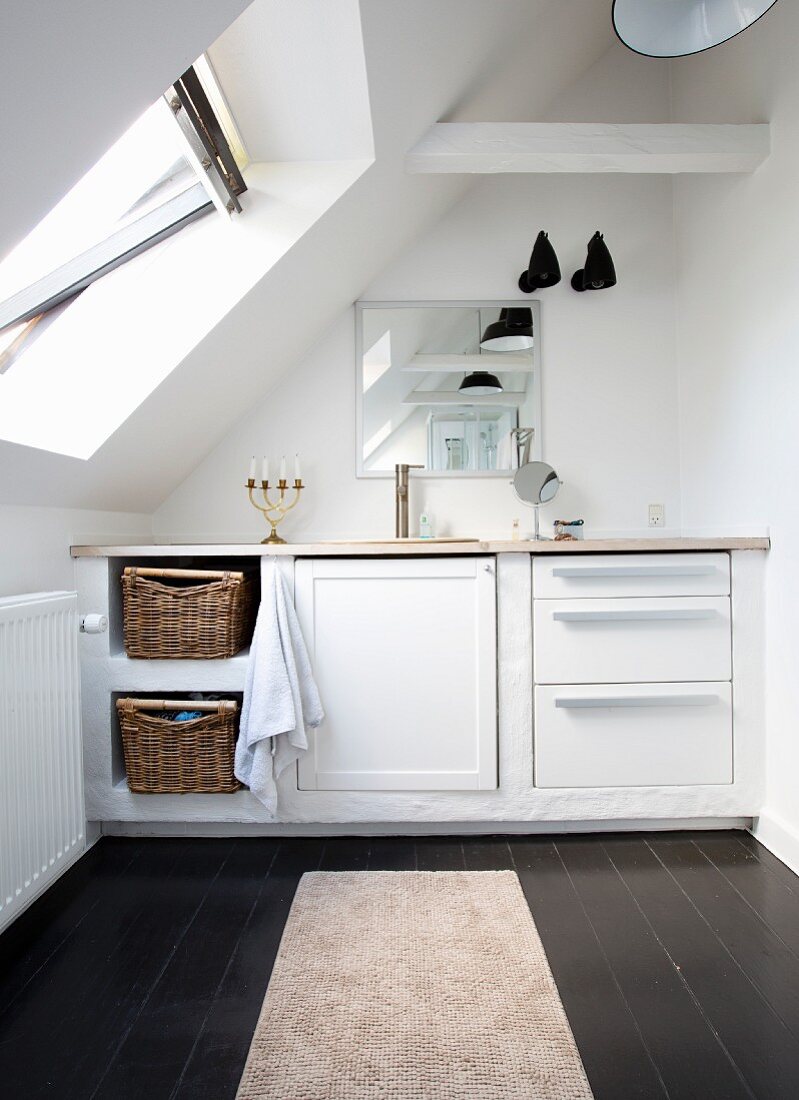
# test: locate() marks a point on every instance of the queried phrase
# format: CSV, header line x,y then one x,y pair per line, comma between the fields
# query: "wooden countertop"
x,y
419,548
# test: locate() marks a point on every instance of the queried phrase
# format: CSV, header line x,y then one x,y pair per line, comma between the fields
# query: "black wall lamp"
x,y
599,272
543,269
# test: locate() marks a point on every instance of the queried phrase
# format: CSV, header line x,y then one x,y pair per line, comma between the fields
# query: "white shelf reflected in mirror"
x,y
411,360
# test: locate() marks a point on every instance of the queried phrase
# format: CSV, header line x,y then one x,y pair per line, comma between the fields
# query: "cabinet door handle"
x,y
579,571
592,702
654,615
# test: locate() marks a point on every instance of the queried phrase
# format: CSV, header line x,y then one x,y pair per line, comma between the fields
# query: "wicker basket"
x,y
204,614
167,757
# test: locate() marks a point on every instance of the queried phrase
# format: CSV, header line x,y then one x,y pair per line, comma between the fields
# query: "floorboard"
x,y
487,853
392,853
142,973
764,856
345,853
92,991
214,1066
31,942
440,853
613,1051
763,1049
768,963
689,1059
766,893
150,1059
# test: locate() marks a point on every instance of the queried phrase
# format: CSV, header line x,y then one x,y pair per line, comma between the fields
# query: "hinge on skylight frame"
x,y
207,145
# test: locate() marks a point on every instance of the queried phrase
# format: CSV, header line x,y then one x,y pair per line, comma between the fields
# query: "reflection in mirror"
x,y
536,483
429,394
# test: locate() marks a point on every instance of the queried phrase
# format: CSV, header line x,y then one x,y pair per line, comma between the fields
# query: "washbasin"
x,y
398,542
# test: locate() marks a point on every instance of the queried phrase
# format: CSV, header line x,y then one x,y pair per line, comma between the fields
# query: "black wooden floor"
x,y
142,972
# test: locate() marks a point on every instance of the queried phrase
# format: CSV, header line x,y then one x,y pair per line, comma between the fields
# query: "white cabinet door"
x,y
404,653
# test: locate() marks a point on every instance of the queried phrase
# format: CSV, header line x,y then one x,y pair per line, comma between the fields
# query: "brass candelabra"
x,y
279,507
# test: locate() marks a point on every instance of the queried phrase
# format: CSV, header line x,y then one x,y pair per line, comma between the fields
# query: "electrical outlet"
x,y
657,517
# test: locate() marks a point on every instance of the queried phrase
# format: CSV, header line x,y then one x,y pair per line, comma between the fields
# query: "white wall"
x,y
610,398
738,343
35,542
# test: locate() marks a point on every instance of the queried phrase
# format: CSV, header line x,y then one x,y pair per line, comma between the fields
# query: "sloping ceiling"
x,y
295,76
426,60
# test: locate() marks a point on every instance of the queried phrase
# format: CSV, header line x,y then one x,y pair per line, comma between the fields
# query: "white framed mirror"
x,y
430,391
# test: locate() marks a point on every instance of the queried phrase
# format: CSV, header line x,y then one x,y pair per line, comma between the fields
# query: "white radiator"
x,y
41,766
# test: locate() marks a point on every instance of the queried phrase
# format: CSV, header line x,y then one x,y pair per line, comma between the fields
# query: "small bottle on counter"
x,y
515,534
425,526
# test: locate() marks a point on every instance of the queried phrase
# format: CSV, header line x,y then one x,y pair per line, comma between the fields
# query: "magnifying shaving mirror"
x,y
536,483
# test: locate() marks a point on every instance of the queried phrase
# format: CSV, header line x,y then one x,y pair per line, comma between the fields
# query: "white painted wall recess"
x,y
404,653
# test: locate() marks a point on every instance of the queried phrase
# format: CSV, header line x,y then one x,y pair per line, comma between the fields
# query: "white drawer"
x,y
633,735
580,576
632,641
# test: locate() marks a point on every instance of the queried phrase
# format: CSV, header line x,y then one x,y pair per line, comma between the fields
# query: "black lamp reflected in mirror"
x,y
512,332
543,269
599,272
480,384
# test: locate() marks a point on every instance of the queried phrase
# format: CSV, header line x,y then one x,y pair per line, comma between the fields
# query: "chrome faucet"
x,y
401,498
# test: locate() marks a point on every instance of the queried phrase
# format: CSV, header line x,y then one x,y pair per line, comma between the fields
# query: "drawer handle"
x,y
632,616
634,571
585,702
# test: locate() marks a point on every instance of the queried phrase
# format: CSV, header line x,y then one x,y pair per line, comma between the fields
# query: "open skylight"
x,y
166,170
144,170
172,166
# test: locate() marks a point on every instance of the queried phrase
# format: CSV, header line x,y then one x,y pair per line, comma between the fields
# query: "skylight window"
x,y
171,167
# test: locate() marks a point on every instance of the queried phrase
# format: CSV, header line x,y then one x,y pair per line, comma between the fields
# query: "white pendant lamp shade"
x,y
676,28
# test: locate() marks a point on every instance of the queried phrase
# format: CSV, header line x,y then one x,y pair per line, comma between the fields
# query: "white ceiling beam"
x,y
439,397
452,363
491,147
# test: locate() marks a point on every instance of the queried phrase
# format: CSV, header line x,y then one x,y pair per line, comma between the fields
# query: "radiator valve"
x,y
93,624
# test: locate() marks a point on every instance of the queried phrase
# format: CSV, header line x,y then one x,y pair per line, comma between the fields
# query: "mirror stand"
x,y
536,483
536,523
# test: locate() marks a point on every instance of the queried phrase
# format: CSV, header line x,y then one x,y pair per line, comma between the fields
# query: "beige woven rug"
x,y
408,985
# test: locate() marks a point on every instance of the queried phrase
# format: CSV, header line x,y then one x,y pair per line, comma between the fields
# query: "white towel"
x,y
280,696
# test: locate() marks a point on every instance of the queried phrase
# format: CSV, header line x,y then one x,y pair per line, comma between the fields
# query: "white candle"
x,y
251,476
283,468
297,474
265,469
